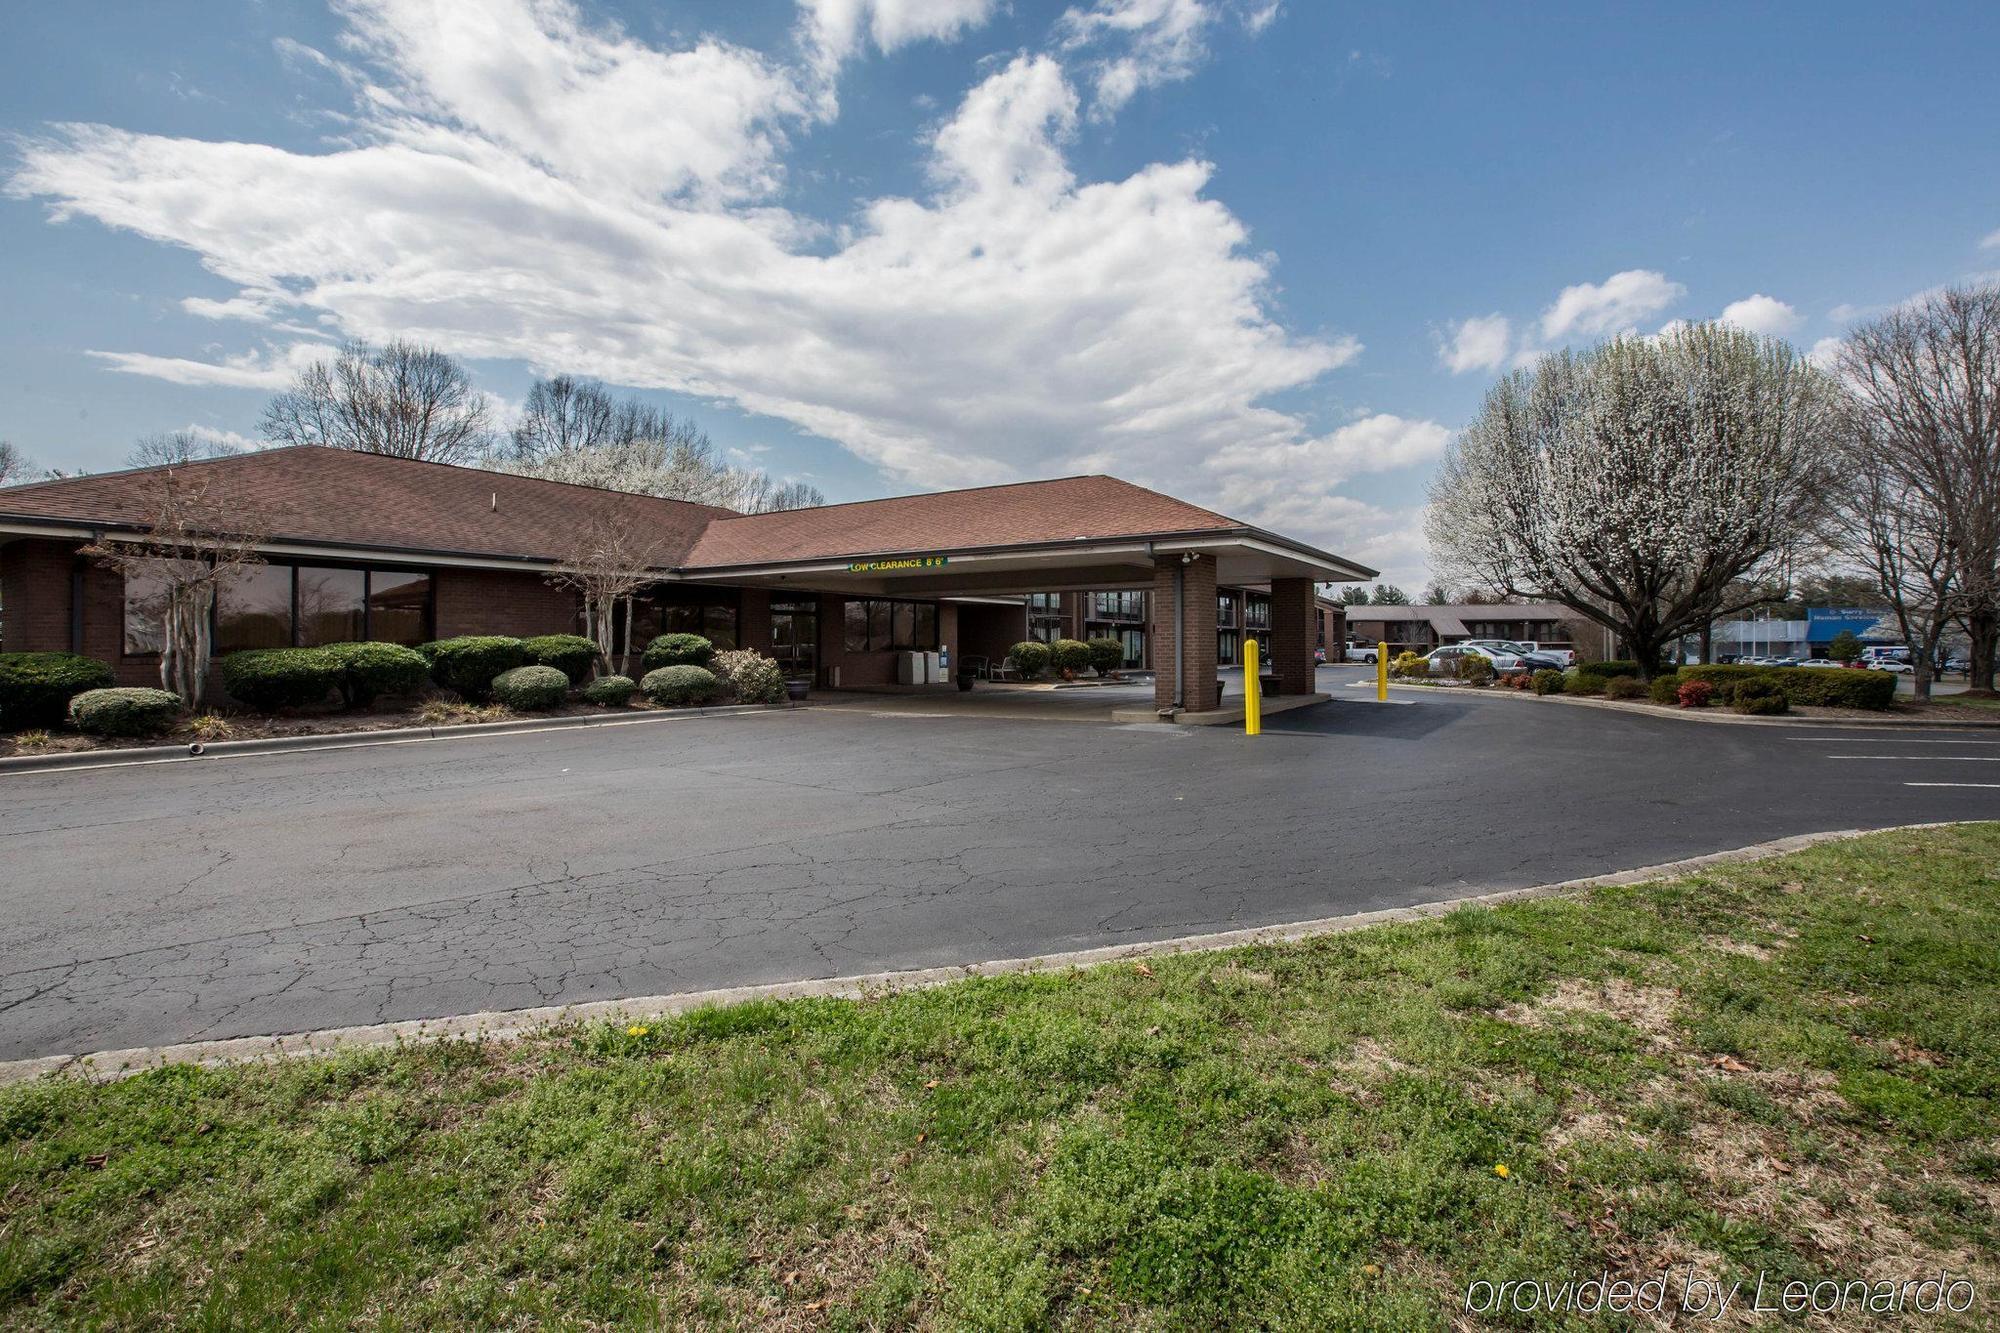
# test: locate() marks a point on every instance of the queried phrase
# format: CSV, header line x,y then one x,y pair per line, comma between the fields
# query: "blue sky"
x,y
1265,257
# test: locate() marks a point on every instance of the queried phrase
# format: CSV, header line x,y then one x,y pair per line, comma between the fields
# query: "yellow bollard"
x,y
1381,673
1253,690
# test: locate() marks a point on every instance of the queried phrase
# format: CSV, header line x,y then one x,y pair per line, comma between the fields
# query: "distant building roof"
x,y
1449,620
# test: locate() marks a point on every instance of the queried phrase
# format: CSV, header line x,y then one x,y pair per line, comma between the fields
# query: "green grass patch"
x,y
1792,1066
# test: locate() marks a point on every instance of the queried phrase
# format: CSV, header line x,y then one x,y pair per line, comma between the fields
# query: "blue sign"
x,y
1865,623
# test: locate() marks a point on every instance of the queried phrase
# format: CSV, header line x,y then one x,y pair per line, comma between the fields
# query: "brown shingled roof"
x,y
339,497
1065,509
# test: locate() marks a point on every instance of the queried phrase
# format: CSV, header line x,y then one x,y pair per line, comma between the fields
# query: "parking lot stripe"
x,y
1935,758
1990,786
1882,740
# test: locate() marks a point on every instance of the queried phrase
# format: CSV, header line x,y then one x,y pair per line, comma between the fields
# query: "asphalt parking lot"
x,y
282,893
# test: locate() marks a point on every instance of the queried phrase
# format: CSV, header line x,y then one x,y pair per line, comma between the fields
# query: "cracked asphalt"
x,y
284,893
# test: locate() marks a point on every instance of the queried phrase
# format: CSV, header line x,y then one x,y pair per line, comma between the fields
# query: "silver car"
x,y
1444,661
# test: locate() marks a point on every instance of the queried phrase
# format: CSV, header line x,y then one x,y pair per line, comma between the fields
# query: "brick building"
x,y
363,546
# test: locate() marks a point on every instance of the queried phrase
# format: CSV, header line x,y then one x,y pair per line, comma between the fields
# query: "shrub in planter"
x,y
1032,656
1069,656
1583,685
1764,698
35,688
611,691
531,688
571,654
1106,654
1475,669
679,686
367,671
268,679
1624,687
1606,671
1409,666
751,677
123,712
1548,681
677,650
1838,689
1666,687
469,663
1694,693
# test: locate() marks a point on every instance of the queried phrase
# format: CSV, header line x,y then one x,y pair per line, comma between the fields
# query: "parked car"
x,y
1896,665
1319,657
1360,652
1823,662
1532,660
1565,657
1444,661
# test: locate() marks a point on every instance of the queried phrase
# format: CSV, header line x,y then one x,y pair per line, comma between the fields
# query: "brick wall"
x,y
35,595
1199,594
498,601
1293,629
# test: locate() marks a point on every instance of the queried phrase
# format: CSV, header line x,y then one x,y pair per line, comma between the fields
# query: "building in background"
x,y
1418,629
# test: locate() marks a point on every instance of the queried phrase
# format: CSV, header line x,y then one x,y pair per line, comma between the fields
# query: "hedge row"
x,y
1802,686
35,688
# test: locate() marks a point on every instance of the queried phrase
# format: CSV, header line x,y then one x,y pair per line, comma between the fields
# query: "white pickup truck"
x,y
1359,652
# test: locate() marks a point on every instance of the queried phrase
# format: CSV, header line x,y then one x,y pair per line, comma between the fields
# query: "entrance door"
x,y
795,636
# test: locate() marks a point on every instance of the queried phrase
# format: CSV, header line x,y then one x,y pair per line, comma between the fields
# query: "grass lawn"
x,y
1792,1066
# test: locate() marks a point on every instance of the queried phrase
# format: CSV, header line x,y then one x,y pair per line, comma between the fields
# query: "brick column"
x,y
1198,627
1292,633
753,620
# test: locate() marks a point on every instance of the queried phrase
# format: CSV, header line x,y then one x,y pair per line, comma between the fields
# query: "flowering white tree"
x,y
610,561
1650,484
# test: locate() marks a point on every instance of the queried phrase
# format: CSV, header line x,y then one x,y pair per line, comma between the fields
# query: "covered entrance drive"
x,y
981,593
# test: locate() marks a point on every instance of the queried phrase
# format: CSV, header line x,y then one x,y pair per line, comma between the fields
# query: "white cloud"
x,y
1619,302
269,368
1762,314
1825,353
837,28
1015,322
1479,343
1140,44
1991,241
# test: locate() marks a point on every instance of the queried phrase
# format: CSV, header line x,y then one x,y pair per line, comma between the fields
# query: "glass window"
x,y
145,608
902,624
925,635
254,609
333,605
857,627
881,623
1225,610
1225,648
878,625
1256,611
399,606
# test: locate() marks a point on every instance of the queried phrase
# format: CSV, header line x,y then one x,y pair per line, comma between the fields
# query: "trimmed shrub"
x,y
750,676
367,671
469,663
611,691
1548,681
531,688
124,712
1475,669
1410,666
1801,687
1069,655
1624,687
1763,698
677,650
268,679
1607,671
1694,693
1583,685
1106,654
1666,687
35,688
679,686
1032,656
571,654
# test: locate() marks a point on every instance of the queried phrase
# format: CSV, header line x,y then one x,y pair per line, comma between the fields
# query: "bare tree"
x,y
1650,485
198,539
177,446
575,431
405,400
13,463
1899,531
1927,380
610,561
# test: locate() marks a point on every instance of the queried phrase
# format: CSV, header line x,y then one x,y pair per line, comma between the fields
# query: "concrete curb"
x,y
1713,716
344,740
105,1066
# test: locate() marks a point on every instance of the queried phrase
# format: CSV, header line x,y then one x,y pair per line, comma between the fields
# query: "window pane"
x,y
857,627
145,608
879,635
903,625
399,605
254,609
926,627
719,625
330,605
